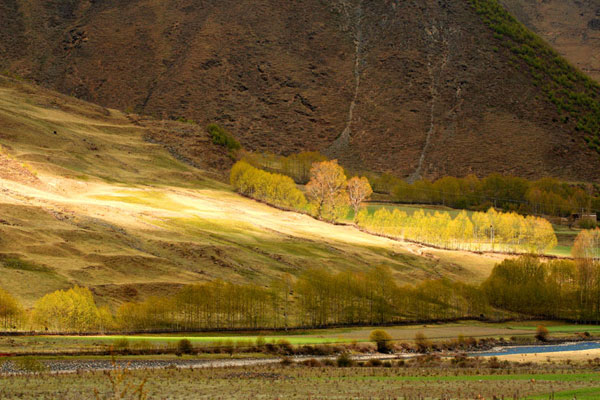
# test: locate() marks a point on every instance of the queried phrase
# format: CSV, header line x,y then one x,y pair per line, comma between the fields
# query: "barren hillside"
x,y
416,88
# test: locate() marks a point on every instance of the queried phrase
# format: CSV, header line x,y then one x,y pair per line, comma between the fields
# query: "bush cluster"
x,y
275,189
223,138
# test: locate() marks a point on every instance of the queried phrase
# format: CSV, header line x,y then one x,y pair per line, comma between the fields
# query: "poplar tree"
x,y
359,190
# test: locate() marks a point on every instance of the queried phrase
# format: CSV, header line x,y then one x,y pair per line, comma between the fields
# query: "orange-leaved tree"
x,y
327,189
10,310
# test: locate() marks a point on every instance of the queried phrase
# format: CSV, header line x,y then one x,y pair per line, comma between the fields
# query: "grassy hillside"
x,y
94,204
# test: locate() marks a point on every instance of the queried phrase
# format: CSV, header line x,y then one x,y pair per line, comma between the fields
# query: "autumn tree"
x,y
298,166
10,310
586,251
71,310
382,339
275,189
327,189
359,190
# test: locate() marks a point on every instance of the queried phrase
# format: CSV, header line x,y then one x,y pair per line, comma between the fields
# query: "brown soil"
x,y
418,88
572,27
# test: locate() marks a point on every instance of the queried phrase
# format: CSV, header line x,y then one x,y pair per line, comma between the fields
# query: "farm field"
x,y
299,382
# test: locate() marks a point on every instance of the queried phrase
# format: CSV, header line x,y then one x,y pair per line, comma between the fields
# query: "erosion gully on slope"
x,y
341,143
437,40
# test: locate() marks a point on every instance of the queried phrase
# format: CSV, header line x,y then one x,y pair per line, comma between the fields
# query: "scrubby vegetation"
x,y
429,377
222,137
575,95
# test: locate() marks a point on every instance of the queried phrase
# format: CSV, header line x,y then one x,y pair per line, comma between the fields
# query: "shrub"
x,y
422,343
121,344
285,346
184,346
374,363
222,138
382,339
228,347
329,363
312,362
344,360
587,224
260,342
542,333
495,363
285,361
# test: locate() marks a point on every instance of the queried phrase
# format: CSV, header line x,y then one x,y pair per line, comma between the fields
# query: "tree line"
x,y
489,231
11,312
296,166
275,189
316,298
330,195
526,286
547,196
557,289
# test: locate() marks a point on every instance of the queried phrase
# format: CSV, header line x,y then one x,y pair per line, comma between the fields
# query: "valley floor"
x,y
53,344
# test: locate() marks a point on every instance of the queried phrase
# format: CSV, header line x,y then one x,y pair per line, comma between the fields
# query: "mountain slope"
x,y
414,88
85,200
572,27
